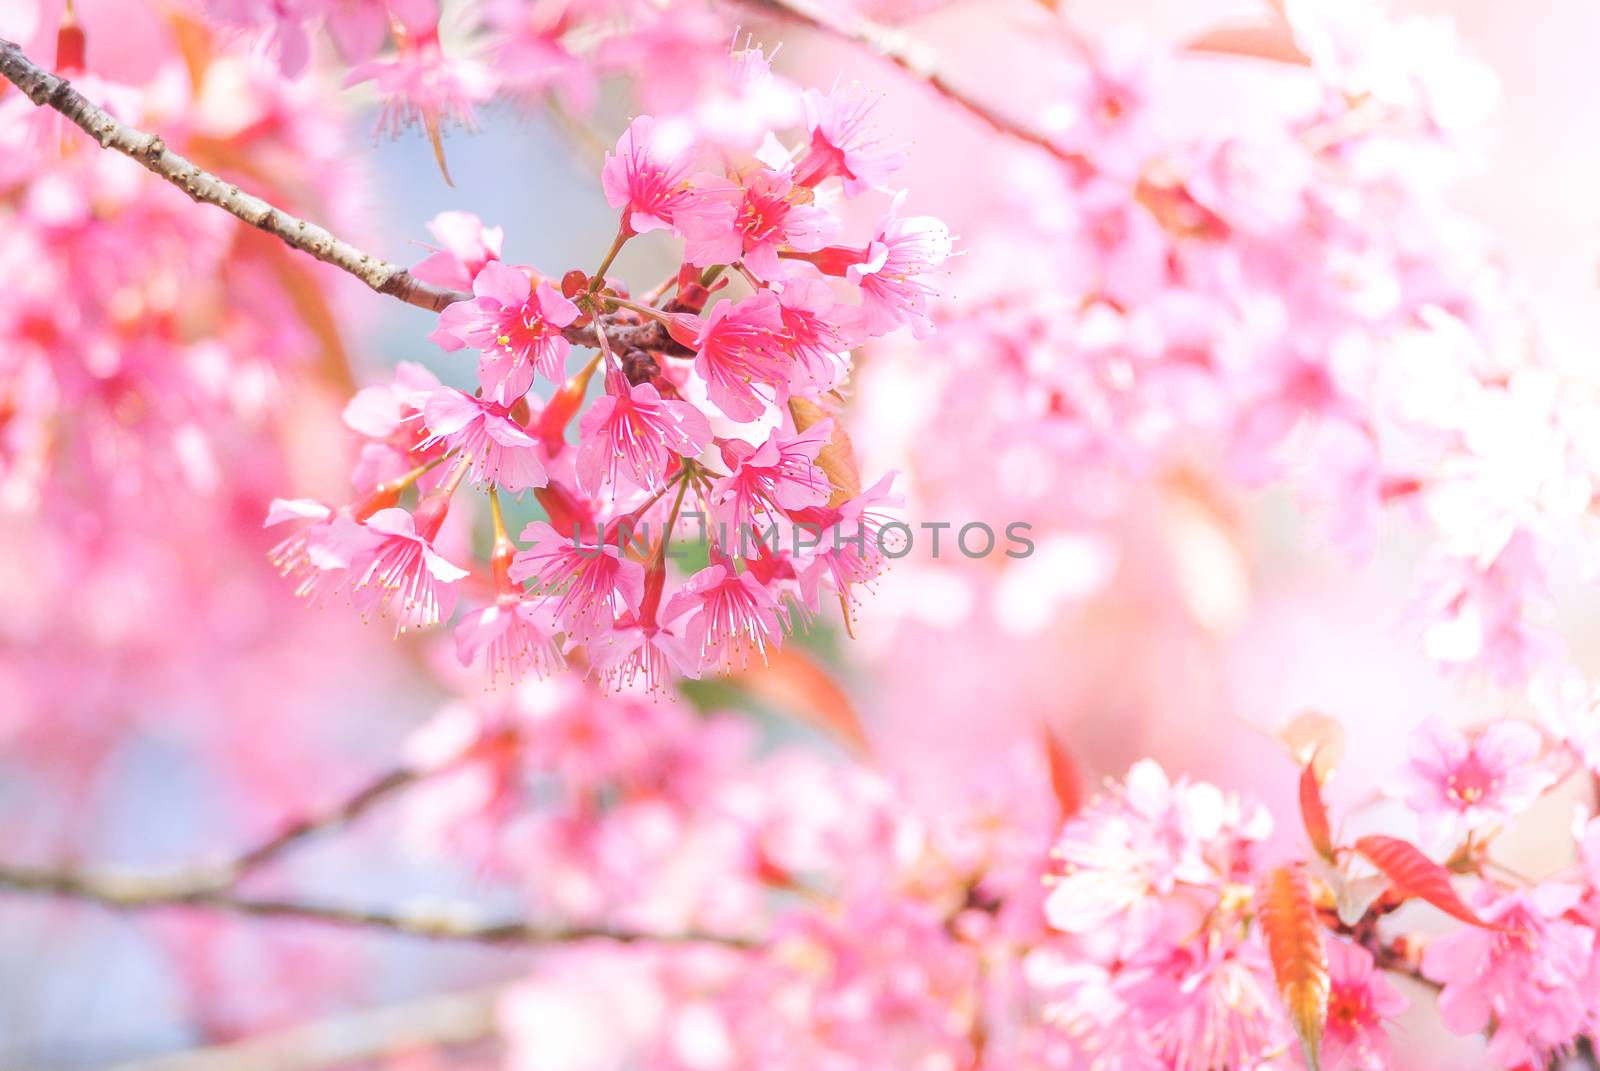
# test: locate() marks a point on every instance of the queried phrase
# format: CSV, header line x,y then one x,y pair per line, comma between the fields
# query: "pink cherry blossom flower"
x,y
638,651
893,290
1529,977
515,635
283,20
358,27
466,246
1106,102
1479,611
1459,784
501,451
740,348
318,555
515,326
631,430
422,85
379,411
532,57
1208,1006
646,178
733,615
750,220
1127,852
588,586
851,544
817,330
402,573
844,144
780,474
1360,999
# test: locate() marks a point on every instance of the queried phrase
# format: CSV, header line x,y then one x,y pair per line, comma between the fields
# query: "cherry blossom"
x,y
515,325
780,474
646,178
1460,785
502,452
1528,973
750,220
730,765
890,274
844,144
633,430
1360,1000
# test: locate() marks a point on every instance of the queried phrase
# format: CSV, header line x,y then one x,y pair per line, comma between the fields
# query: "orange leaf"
x,y
1412,874
1266,41
795,682
1314,738
1314,812
1299,959
1066,778
837,459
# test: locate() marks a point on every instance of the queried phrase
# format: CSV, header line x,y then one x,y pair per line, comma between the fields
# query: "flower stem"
x,y
643,310
598,279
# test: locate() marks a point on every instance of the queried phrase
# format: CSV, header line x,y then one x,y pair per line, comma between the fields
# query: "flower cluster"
x,y
1172,930
1167,306
1184,946
1266,294
713,415
435,66
880,925
147,353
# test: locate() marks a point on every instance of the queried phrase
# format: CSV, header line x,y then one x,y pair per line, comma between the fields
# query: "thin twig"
x,y
1394,959
219,875
342,814
137,893
917,59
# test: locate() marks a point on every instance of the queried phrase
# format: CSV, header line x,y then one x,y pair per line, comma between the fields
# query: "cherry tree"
x,y
646,722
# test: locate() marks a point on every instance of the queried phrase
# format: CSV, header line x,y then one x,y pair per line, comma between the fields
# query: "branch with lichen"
x,y
47,90
212,887
133,892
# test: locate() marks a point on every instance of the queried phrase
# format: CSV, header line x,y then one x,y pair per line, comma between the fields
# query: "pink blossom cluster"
x,y
1268,290
147,354
714,401
859,920
436,66
1199,269
1160,900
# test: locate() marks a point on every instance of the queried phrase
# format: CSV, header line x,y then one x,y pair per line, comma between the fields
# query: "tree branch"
x,y
143,893
918,60
48,90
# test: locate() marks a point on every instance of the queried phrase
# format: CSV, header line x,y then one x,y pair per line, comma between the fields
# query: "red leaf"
x,y
1293,936
1314,812
1412,874
1066,779
795,682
